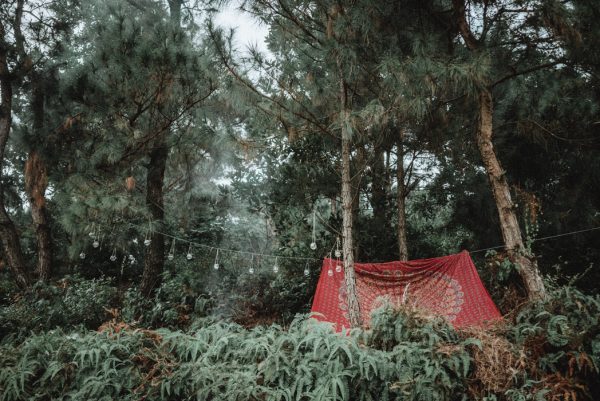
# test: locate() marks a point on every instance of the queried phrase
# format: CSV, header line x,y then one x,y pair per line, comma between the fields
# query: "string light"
x,y
171,254
306,270
92,231
216,264
313,244
147,240
330,270
338,252
251,269
276,266
189,255
113,256
82,255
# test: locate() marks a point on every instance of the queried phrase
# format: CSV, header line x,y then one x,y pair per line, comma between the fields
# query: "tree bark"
x,y
347,206
509,224
8,232
401,200
155,252
36,182
378,188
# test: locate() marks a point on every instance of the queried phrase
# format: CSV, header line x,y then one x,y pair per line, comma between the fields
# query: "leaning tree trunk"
x,y
509,224
155,253
347,235
401,201
36,182
8,231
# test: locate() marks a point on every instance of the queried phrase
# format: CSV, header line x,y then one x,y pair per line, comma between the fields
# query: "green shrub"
x,y
71,301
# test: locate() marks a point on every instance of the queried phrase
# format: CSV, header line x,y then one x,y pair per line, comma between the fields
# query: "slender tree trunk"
x,y
401,201
154,260
36,182
378,187
8,232
509,224
347,206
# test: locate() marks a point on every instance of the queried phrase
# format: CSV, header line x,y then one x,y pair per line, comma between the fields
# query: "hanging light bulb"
x,y
216,264
92,234
276,266
131,257
96,243
147,241
338,268
189,255
113,258
171,254
338,252
330,272
313,244
82,255
251,270
306,270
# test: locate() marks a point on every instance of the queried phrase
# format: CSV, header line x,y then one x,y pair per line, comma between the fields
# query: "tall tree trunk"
x,y
8,231
154,262
36,182
509,224
401,200
378,188
347,234
155,253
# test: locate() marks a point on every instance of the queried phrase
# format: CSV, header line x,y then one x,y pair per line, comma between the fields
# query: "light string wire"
x,y
540,239
211,248
266,255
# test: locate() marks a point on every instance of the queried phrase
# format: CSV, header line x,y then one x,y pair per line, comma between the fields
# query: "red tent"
x,y
448,286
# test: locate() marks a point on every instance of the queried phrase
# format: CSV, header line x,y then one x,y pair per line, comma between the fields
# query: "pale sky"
x,y
249,31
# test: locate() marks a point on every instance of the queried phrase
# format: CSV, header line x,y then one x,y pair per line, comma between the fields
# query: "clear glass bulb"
x,y
338,268
313,245
216,266
147,242
82,255
251,270
330,272
338,253
170,256
95,244
306,272
189,256
113,258
275,269
92,234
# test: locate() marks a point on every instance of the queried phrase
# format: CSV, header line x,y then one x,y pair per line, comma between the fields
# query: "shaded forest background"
x,y
136,139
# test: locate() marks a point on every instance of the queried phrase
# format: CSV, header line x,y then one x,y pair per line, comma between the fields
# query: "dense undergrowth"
x,y
80,341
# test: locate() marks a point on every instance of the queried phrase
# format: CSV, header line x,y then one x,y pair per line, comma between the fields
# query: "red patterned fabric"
x,y
448,286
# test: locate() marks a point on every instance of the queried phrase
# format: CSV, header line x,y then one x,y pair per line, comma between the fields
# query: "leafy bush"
x,y
69,302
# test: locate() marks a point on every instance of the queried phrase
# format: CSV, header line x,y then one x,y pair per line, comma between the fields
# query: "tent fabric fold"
x,y
447,286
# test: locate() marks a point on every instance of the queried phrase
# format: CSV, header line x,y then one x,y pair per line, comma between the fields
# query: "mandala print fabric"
x,y
448,286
